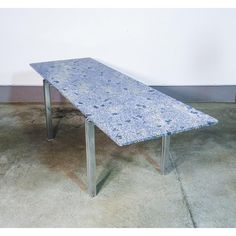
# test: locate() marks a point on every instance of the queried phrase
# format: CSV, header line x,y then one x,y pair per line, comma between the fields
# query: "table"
x,y
125,109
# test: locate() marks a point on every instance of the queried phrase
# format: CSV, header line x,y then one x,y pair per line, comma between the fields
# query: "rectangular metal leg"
x,y
48,110
90,155
165,152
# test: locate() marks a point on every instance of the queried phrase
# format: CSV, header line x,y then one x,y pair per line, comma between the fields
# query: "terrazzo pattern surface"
x,y
127,110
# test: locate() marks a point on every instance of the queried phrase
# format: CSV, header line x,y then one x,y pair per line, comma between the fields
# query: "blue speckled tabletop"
x,y
123,108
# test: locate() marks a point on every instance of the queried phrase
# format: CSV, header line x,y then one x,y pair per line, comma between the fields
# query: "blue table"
x,y
125,109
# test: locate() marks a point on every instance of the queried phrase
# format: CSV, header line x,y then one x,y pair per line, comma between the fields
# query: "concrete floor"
x,y
43,184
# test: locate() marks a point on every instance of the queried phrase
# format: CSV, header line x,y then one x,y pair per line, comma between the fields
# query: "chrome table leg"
x,y
48,109
90,155
165,152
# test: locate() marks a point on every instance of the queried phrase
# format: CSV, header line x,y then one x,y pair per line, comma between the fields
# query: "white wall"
x,y
155,46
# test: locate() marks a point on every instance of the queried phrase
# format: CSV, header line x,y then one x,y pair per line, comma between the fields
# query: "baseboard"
x,y
34,94
214,93
31,94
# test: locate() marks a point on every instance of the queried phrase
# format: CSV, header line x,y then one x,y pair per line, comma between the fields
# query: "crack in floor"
x,y
185,199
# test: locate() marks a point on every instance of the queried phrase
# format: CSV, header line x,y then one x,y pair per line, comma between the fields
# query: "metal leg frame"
x,y
90,142
165,153
48,109
90,155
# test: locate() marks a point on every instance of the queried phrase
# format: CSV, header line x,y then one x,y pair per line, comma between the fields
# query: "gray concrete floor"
x,y
43,184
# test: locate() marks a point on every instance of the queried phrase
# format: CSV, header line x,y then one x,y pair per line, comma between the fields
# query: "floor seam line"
x,y
184,195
